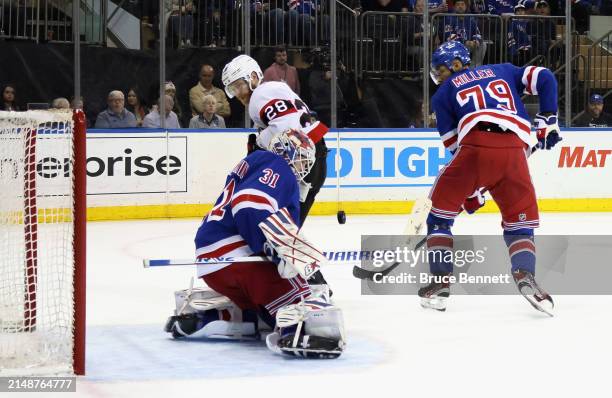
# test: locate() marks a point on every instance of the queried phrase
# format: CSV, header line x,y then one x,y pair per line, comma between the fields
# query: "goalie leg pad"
x,y
309,329
202,312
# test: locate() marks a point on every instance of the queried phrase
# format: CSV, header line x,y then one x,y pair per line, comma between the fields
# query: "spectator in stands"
x,y
205,87
519,41
479,7
116,116
543,8
501,7
298,21
208,119
153,119
380,26
268,19
593,115
60,103
438,6
580,11
530,6
77,103
414,31
463,29
433,5
493,28
180,19
384,5
136,105
281,71
9,102
319,84
545,29
170,89
303,17
215,22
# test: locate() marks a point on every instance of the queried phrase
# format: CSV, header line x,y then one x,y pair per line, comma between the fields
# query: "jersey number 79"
x,y
497,91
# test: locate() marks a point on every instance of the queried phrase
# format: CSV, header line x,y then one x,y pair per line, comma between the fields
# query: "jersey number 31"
x,y
497,90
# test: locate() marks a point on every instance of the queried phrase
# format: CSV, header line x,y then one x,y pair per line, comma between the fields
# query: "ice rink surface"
x,y
482,346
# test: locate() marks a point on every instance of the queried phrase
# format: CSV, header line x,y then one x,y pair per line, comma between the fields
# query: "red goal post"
x,y
42,242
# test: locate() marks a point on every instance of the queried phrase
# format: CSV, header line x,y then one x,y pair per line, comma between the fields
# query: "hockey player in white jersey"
x,y
274,108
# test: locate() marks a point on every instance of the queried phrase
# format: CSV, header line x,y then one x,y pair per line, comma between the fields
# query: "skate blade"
x,y
546,306
434,303
311,354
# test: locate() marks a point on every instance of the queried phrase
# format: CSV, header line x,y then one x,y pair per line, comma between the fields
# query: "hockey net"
x,y
42,204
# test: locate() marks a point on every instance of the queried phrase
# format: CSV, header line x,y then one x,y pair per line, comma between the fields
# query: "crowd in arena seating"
x,y
208,105
294,22
529,36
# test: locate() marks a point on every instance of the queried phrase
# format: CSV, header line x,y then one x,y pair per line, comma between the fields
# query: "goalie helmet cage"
x,y
42,242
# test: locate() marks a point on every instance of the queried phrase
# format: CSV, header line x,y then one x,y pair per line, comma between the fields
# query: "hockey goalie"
x,y
258,214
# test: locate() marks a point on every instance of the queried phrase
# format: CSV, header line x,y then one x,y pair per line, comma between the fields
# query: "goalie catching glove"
x,y
547,130
288,248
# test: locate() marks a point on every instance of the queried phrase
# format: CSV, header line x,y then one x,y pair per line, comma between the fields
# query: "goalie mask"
x,y
297,149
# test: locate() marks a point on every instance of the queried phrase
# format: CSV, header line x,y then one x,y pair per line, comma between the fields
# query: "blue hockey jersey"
x,y
458,28
518,36
491,93
500,7
259,185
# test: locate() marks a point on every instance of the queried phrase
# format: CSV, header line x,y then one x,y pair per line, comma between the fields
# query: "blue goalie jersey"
x,y
259,185
492,94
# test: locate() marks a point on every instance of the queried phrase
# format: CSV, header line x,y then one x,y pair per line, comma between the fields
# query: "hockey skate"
x,y
537,297
310,329
436,294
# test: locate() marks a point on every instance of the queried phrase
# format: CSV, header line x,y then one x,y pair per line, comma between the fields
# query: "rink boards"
x,y
136,173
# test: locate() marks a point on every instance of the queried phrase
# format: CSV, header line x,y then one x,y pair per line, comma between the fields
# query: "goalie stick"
x,y
417,218
172,262
166,262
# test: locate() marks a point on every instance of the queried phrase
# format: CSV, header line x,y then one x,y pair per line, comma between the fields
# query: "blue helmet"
x,y
445,54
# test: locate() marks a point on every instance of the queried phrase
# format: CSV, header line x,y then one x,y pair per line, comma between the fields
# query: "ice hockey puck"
x,y
341,217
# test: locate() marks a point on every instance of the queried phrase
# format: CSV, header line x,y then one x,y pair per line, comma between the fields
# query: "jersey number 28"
x,y
498,90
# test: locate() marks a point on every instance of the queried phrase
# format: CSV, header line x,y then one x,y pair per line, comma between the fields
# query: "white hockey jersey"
x,y
275,108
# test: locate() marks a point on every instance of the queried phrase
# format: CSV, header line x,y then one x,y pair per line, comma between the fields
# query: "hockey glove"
x,y
474,202
547,131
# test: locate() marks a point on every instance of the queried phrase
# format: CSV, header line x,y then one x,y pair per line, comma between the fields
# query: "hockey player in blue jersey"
x,y
258,213
483,122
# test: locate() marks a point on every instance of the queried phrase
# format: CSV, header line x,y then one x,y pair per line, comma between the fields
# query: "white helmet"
x,y
297,149
238,68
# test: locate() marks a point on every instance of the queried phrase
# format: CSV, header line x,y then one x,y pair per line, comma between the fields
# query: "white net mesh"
x,y
36,250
